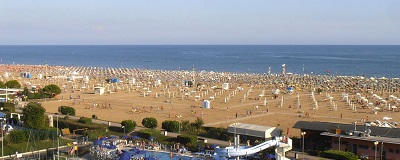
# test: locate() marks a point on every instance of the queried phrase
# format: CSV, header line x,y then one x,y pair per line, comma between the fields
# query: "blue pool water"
x,y
166,156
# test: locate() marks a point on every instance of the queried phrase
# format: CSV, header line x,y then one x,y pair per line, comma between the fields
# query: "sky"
x,y
200,22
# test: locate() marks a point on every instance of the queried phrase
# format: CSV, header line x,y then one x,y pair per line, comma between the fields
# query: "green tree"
x,y
129,125
52,90
149,122
198,123
2,85
170,126
13,84
34,116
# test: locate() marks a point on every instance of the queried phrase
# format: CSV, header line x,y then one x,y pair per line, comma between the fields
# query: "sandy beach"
x,y
249,98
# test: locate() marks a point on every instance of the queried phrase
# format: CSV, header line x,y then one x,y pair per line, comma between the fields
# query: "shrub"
x,y
94,134
216,133
67,110
85,120
7,106
340,155
73,125
129,125
149,122
187,139
147,133
17,136
170,126
198,123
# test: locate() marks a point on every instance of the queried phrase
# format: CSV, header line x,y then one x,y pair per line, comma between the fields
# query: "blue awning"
x,y
2,114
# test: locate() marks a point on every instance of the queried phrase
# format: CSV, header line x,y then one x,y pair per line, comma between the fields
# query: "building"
x,y
251,130
363,140
99,90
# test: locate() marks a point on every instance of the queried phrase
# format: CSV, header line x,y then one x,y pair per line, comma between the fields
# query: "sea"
x,y
341,60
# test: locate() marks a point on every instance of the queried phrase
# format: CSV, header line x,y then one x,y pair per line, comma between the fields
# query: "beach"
x,y
264,99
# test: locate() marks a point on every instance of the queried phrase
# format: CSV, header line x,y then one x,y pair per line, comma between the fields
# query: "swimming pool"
x,y
150,155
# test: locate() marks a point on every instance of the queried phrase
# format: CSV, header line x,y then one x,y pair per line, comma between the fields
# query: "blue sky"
x,y
270,22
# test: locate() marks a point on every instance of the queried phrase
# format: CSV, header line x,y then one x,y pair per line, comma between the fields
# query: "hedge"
x,y
7,106
216,133
147,133
85,120
21,135
187,139
339,155
94,134
16,136
73,125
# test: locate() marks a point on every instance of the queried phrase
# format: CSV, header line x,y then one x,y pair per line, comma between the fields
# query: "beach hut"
x,y
99,90
6,74
25,75
71,78
225,86
132,81
86,79
206,104
157,82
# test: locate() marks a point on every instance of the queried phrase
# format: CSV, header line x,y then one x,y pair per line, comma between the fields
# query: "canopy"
x,y
2,114
254,130
126,155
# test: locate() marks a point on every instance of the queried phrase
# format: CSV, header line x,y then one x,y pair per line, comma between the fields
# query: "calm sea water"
x,y
374,61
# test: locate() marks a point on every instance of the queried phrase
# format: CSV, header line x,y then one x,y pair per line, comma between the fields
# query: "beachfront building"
x,y
363,140
256,131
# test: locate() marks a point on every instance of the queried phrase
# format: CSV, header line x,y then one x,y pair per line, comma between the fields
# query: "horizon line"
x,y
199,44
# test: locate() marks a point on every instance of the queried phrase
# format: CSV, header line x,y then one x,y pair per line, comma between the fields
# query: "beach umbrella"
x,y
270,156
97,142
135,137
125,136
213,146
126,155
103,138
151,137
113,137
